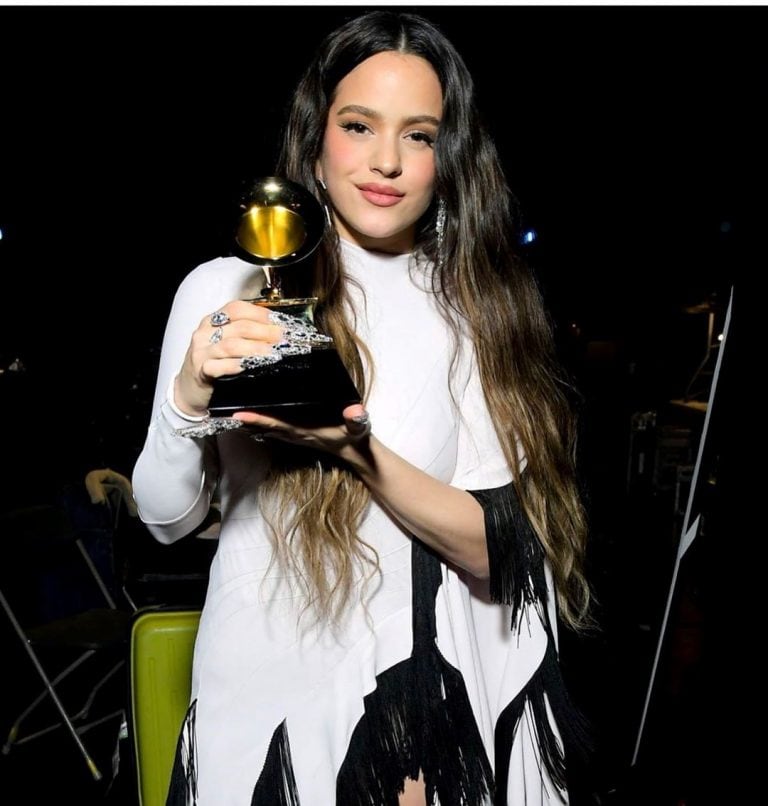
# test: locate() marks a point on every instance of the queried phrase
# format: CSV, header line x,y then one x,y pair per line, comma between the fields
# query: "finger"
x,y
242,309
218,367
253,418
234,347
216,318
257,331
242,337
357,419
267,426
233,311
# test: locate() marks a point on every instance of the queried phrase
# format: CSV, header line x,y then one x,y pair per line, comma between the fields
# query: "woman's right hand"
x,y
248,332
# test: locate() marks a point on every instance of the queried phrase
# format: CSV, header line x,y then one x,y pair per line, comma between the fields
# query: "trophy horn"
x,y
280,223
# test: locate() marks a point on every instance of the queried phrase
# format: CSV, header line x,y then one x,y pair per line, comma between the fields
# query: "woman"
x,y
379,624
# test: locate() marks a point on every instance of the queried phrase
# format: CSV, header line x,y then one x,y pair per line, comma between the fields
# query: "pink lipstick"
x,y
380,195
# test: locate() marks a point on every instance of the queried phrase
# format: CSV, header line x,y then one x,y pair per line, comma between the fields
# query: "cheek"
x,y
338,150
424,174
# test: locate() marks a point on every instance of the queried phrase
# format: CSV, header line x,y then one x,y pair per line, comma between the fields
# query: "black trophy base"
x,y
310,389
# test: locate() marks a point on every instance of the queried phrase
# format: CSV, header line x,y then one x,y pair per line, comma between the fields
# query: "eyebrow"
x,y
373,114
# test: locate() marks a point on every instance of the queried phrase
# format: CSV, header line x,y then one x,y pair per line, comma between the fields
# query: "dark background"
x,y
631,137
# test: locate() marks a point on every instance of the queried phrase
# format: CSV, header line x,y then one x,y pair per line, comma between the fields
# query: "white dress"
x,y
287,712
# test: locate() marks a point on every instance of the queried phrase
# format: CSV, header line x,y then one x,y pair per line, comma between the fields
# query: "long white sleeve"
x,y
174,477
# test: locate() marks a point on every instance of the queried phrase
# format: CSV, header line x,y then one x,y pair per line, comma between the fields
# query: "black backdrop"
x,y
628,135
631,137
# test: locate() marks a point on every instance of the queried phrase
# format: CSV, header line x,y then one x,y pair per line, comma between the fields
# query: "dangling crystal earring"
x,y
325,203
440,229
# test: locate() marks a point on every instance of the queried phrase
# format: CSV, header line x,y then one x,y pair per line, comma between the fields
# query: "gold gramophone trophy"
x,y
303,380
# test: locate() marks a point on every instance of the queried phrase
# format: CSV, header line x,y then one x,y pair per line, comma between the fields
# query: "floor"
x,y
49,769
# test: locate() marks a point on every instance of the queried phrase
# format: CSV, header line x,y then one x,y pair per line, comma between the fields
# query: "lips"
x,y
380,195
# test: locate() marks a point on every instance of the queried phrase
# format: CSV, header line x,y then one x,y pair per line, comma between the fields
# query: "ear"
x,y
319,174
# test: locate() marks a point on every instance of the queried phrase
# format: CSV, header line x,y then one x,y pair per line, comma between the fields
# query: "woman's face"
x,y
377,158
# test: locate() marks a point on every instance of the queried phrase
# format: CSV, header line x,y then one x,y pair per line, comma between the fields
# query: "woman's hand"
x,y
333,438
446,518
217,349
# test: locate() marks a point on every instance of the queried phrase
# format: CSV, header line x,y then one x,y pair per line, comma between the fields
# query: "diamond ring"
x,y
219,318
217,335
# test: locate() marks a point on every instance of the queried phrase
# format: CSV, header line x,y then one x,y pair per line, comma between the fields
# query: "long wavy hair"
x,y
480,280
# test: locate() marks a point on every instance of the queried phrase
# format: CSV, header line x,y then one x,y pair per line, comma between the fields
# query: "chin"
x,y
385,242
377,236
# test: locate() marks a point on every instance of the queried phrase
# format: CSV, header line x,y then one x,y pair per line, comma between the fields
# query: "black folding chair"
x,y
41,549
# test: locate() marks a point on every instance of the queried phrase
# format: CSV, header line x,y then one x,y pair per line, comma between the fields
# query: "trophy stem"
x,y
302,307
273,287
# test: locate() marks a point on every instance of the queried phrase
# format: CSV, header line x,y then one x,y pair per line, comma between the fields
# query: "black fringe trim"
x,y
515,555
182,790
517,579
418,719
547,683
277,784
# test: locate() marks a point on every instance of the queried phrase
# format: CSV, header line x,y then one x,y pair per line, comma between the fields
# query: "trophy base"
x,y
310,389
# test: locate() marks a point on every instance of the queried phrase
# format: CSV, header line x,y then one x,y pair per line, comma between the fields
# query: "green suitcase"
x,y
162,642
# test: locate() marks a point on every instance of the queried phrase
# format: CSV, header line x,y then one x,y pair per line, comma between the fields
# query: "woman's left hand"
x,y
333,438
446,518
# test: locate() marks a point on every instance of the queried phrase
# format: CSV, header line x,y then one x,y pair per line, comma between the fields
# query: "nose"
x,y
385,158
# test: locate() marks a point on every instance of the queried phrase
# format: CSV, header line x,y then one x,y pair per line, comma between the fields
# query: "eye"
x,y
422,137
355,127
